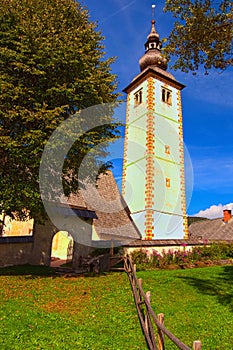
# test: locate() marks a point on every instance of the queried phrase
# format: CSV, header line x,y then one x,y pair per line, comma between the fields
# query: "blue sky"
x,y
207,100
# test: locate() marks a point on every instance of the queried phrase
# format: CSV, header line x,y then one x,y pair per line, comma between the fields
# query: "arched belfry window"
x,y
166,96
138,97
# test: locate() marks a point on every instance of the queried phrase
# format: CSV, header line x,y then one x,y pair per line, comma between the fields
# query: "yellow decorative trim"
x,y
125,145
150,139
182,175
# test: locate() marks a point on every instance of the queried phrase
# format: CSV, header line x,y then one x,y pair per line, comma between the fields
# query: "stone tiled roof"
x,y
114,220
113,215
211,230
162,243
75,200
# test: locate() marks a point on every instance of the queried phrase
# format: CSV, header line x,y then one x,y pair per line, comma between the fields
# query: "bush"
x,y
215,251
140,257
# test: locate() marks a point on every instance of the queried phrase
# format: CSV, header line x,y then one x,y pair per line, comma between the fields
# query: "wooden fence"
x,y
149,321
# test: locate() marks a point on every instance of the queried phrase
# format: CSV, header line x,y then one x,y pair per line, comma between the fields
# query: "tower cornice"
x,y
157,73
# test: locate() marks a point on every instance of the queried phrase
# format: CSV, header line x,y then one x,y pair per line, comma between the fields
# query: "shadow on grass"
x,y
28,270
31,272
219,285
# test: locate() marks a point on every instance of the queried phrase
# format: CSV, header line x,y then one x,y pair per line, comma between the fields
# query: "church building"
x,y
153,182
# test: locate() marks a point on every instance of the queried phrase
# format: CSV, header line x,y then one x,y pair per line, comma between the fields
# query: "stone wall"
x,y
15,253
36,249
43,236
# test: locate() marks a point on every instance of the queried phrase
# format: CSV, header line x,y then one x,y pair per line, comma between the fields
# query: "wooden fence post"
x,y
134,274
139,291
147,313
148,324
197,345
160,333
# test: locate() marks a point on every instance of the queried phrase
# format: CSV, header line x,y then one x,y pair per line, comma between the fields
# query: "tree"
x,y
202,36
52,65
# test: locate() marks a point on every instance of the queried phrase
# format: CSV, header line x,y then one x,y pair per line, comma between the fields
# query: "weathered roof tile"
x,y
211,230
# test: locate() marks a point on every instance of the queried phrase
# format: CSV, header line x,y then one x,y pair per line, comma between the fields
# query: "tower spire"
x,y
153,56
153,31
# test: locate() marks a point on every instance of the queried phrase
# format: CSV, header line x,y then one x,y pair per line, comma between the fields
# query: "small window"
x,y
166,96
138,97
168,182
167,149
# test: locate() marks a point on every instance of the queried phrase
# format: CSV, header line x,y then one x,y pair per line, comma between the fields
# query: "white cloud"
x,y
215,211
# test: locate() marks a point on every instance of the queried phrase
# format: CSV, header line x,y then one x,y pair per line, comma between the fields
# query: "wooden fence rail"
x,y
147,316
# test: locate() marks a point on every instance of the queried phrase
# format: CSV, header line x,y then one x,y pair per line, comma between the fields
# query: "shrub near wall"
x,y
197,256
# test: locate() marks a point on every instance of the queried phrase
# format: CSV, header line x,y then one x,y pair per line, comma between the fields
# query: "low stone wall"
x,y
15,250
159,249
36,249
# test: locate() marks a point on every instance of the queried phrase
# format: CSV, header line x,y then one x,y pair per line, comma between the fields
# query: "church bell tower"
x,y
153,170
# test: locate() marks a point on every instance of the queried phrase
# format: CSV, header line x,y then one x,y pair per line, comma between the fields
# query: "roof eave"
x,y
152,72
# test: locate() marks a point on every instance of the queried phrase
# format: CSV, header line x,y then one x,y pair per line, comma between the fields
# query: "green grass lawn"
x,y
197,304
40,311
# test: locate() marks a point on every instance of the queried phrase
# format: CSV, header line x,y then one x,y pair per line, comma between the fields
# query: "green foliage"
x,y
183,257
139,257
52,65
192,219
202,35
100,251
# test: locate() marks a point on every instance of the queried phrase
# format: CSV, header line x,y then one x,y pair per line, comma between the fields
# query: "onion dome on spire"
x,y
153,56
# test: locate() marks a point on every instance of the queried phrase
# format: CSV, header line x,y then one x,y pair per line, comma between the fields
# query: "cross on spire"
x,y
153,12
